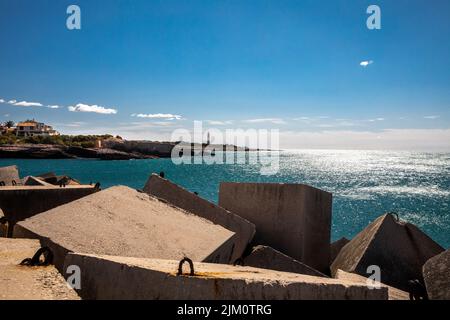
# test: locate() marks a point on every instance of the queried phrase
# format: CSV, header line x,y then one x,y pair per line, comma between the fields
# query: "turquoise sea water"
x,y
365,184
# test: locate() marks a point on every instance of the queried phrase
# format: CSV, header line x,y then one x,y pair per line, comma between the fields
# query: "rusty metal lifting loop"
x,y
97,186
36,261
2,183
180,267
13,182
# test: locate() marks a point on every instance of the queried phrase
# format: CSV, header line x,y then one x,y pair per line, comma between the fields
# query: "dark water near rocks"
x,y
365,184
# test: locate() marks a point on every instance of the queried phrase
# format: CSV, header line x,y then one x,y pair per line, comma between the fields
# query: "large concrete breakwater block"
x,y
124,222
398,248
9,176
336,247
21,202
176,195
107,277
20,282
292,218
393,293
268,258
436,273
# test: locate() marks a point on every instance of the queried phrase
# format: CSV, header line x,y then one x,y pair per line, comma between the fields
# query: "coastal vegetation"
x,y
84,141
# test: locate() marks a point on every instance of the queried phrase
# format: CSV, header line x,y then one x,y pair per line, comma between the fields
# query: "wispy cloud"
x,y
376,119
12,101
366,63
166,116
220,123
432,117
266,120
53,107
80,107
2,101
27,104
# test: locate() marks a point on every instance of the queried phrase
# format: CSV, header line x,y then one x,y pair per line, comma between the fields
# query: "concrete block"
x,y
10,176
292,218
394,293
268,258
21,202
107,277
33,181
3,225
29,283
124,222
176,195
400,249
436,273
336,247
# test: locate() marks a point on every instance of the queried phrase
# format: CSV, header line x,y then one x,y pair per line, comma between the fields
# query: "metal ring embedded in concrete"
x,y
35,260
180,267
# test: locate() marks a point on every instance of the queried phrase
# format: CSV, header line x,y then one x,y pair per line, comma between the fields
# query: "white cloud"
x,y
12,101
432,117
26,104
166,116
2,101
301,119
53,107
365,63
376,119
80,107
220,123
266,120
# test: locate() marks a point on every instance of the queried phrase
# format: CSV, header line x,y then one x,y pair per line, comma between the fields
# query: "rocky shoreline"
x,y
43,151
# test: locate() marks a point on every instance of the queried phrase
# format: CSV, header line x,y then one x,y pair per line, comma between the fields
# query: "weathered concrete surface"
x,y
436,273
336,247
10,175
21,202
176,195
400,249
292,218
106,277
268,258
29,283
394,293
124,222
33,181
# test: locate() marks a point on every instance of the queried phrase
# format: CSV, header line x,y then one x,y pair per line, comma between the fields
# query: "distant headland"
x,y
31,139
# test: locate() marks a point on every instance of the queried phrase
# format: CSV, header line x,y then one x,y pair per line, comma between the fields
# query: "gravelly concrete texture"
x,y
106,277
124,222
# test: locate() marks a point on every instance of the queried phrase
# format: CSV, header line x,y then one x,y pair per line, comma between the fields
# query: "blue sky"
x,y
290,65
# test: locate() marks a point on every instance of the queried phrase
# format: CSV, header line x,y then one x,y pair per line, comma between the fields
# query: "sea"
x,y
364,184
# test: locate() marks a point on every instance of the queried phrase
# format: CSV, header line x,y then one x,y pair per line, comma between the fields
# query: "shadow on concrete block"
x,y
264,257
176,195
292,218
436,273
107,277
124,222
398,248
